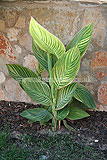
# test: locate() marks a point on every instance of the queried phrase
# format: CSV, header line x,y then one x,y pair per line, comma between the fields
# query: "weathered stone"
x,y
102,94
2,25
2,77
20,22
18,49
85,62
100,60
26,41
2,95
100,107
11,16
30,62
105,108
100,74
15,91
6,50
12,34
45,75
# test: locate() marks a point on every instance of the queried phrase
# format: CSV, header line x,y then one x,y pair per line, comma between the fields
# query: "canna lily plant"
x,y
59,98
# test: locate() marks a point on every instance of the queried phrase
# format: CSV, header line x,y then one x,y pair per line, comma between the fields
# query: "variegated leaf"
x,y
37,90
62,114
83,95
42,56
76,113
45,40
19,72
37,114
66,68
40,69
65,95
82,38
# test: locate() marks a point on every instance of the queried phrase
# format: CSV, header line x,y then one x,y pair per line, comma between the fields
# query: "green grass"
x,y
48,147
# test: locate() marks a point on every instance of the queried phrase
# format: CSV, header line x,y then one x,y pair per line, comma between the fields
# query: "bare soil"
x,y
91,131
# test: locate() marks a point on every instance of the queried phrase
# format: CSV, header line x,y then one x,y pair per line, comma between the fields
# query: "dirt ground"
x,y
91,131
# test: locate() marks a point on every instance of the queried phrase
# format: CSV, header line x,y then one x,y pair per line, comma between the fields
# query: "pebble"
x,y
96,140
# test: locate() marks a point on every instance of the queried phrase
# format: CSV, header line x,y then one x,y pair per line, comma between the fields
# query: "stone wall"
x,y
63,18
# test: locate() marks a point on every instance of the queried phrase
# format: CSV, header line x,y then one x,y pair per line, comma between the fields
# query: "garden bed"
x,y
87,132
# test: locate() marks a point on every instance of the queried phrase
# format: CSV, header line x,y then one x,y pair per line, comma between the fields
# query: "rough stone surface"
x,y
101,107
102,94
17,94
2,77
26,41
100,60
6,50
12,34
20,22
18,49
2,25
2,95
30,62
10,15
101,74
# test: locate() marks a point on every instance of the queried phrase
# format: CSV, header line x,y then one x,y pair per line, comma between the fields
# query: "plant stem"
x,y
52,92
59,124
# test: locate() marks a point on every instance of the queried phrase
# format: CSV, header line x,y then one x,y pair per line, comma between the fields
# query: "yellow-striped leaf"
x,y
37,114
19,72
64,95
66,68
40,69
62,114
83,95
76,113
45,40
82,38
42,56
37,90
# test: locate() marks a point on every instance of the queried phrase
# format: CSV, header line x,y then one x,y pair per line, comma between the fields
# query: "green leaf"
x,y
67,126
19,72
82,38
79,104
64,96
42,56
45,40
76,113
62,114
40,69
37,90
37,114
66,68
83,95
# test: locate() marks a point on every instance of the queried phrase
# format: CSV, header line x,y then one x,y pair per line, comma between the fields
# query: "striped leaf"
x,y
64,96
76,113
66,68
75,102
37,114
62,114
37,90
45,40
82,38
40,69
42,56
19,72
83,95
